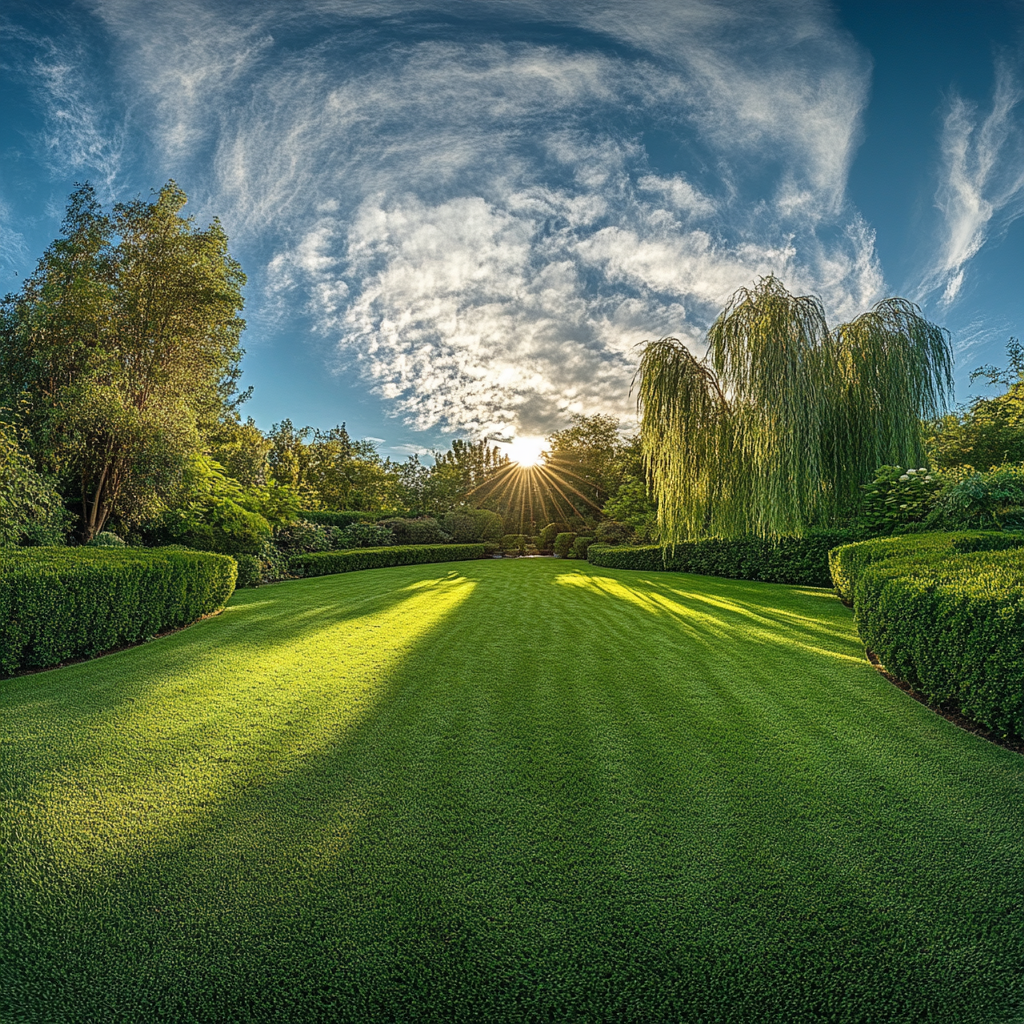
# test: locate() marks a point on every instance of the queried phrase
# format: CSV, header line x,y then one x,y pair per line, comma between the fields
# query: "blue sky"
x,y
461,218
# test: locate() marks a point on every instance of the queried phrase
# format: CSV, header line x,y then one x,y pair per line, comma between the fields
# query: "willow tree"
x,y
782,420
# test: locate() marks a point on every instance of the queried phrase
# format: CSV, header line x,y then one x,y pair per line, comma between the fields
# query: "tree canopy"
x,y
124,342
776,428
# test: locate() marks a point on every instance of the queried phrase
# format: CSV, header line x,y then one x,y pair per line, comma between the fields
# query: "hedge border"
x,y
61,604
327,563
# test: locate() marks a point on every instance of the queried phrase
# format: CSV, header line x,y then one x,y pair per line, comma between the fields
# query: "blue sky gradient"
x,y
461,218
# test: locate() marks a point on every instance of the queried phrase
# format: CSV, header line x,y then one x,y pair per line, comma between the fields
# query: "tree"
x,y
123,341
585,456
990,430
779,424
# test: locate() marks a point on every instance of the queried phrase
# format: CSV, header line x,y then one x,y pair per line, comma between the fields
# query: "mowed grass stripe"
x,y
504,790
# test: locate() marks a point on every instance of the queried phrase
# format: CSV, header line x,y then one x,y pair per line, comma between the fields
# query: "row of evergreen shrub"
x,y
800,561
59,603
846,563
948,622
327,562
339,520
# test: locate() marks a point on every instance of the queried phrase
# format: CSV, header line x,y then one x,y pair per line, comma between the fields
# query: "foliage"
x,y
63,603
415,531
213,512
546,538
781,422
303,537
250,571
982,501
610,532
329,562
31,510
580,546
800,561
585,460
106,539
123,342
469,525
897,498
990,430
847,562
459,477
947,623
339,519
515,542
273,563
364,535
563,544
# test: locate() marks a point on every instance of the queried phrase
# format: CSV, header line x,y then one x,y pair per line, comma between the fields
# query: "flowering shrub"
x,y
898,498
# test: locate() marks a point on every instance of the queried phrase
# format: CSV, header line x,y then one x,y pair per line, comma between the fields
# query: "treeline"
x,y
120,366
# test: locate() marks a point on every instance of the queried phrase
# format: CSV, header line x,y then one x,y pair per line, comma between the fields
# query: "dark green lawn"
x,y
504,790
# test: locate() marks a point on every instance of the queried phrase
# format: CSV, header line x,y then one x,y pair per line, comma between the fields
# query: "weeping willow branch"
x,y
783,419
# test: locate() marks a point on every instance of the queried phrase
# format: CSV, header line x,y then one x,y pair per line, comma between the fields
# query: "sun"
x,y
525,451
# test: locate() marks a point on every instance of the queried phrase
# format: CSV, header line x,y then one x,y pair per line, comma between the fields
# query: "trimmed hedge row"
x,y
325,563
846,563
60,603
801,561
339,519
949,624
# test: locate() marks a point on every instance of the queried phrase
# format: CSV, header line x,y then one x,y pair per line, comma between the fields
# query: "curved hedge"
x,y
846,563
949,624
325,563
60,603
801,561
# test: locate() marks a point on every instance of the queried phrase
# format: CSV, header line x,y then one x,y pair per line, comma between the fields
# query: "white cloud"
x,y
479,226
982,181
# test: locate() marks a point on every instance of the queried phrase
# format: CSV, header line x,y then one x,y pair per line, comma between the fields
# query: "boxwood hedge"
x,y
847,562
800,561
948,623
325,563
60,603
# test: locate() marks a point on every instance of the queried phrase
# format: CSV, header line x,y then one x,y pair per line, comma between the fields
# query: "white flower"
x,y
904,478
910,472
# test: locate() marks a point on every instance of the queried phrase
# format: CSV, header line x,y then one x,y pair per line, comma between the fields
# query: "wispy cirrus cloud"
x,y
477,217
981,188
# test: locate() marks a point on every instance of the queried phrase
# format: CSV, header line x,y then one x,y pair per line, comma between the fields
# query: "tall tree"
x,y
122,342
779,424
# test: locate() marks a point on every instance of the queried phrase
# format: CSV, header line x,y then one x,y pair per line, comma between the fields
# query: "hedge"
x,y
325,563
846,563
60,603
802,561
951,625
339,519
563,544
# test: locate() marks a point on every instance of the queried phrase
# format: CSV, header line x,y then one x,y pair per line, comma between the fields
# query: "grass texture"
x,y
505,790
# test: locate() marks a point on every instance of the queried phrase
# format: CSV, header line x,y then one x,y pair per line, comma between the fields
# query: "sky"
x,y
463,218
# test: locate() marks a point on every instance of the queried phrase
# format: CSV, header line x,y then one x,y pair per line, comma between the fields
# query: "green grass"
x,y
509,791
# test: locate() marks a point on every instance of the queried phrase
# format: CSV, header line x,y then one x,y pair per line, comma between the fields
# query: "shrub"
x,y
580,545
948,623
106,539
492,549
250,572
549,533
63,603
339,520
897,498
363,535
983,501
846,563
329,562
415,531
273,564
612,533
304,537
515,542
31,509
563,544
801,561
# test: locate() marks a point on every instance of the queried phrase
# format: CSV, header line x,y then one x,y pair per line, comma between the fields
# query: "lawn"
x,y
504,790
